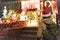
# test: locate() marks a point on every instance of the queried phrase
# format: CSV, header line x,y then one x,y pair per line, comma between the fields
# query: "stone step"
x,y
28,36
21,34
29,30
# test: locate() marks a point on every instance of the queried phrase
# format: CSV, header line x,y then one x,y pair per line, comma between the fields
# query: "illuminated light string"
x,y
26,5
32,23
30,4
55,7
49,2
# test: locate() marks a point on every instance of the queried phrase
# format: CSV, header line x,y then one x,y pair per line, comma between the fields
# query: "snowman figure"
x,y
4,12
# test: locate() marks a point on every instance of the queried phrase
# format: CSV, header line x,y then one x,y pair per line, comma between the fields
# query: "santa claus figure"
x,y
47,10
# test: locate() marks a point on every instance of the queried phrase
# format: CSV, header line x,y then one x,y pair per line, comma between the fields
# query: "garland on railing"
x,y
17,24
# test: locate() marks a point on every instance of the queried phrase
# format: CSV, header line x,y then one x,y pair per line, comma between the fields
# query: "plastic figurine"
x,y
4,12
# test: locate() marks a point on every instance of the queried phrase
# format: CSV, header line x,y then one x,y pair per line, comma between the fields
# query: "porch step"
x,y
21,34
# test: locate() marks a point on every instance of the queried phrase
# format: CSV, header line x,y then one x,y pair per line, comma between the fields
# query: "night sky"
x,y
6,0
